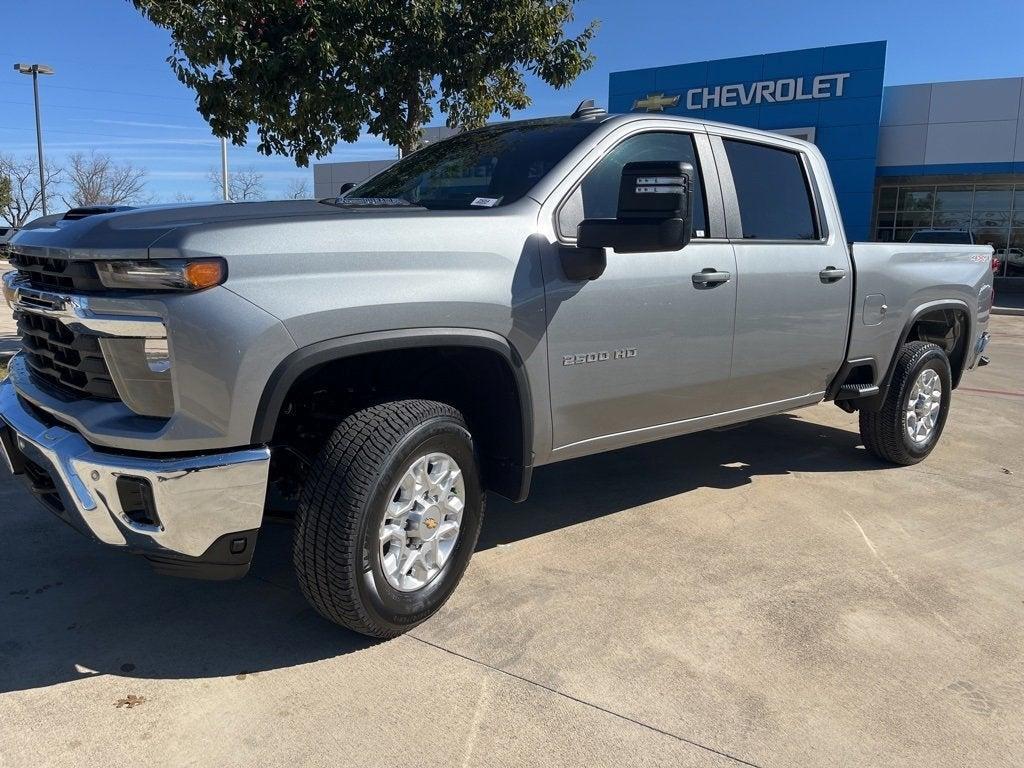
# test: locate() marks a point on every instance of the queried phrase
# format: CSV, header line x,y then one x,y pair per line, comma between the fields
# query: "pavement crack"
x,y
897,580
583,702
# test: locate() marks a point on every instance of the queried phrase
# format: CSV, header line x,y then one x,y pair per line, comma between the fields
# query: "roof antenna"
x,y
587,108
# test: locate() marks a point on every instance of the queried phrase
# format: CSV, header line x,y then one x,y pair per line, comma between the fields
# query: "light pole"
x,y
36,70
224,168
224,158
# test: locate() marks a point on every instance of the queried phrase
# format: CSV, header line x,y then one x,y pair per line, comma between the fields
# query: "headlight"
x,y
163,275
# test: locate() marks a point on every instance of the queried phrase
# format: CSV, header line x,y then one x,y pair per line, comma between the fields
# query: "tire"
x,y
354,485
885,432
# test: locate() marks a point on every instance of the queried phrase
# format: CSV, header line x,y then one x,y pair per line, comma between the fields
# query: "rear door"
x,y
795,278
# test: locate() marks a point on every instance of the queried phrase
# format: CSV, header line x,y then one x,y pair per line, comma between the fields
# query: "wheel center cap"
x,y
426,523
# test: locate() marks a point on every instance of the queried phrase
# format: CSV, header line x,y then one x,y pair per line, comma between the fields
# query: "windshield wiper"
x,y
370,202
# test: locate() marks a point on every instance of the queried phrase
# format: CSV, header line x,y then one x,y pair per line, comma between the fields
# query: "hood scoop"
x,y
93,210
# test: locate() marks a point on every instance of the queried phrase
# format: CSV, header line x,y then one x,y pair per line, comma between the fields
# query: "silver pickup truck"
x,y
370,366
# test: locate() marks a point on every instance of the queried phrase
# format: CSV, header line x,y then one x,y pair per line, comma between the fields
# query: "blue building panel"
x,y
845,142
786,63
836,90
854,57
798,114
867,82
949,169
680,76
848,111
851,175
856,208
631,81
734,70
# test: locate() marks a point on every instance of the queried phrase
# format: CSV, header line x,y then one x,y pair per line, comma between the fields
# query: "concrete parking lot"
x,y
765,596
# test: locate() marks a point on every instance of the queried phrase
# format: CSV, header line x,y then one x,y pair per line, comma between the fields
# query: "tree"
x,y
25,198
243,184
297,189
95,179
311,73
5,192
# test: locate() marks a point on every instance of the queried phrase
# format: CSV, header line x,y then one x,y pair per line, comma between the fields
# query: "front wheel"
x,y
910,421
389,517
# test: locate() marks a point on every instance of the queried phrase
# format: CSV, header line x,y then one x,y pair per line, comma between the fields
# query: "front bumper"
x,y
196,516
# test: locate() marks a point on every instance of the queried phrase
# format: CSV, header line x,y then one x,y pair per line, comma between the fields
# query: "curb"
x,y
1013,311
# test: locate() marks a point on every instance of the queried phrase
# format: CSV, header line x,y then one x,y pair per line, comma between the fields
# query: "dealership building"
x,y
902,158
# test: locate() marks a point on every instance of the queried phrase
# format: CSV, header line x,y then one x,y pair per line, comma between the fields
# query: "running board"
x,y
856,391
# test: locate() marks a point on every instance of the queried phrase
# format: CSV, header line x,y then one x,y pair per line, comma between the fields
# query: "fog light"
x,y
141,370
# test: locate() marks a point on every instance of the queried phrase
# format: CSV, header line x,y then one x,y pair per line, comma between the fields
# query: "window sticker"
x,y
485,202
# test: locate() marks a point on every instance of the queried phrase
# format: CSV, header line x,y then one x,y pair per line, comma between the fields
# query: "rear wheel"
x,y
910,422
389,517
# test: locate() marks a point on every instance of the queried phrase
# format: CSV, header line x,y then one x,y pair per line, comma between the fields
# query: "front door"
x,y
643,346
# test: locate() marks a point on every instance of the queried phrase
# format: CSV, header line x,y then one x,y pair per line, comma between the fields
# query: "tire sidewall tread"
x,y
343,502
884,431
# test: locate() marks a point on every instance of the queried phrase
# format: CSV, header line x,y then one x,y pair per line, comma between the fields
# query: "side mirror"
x,y
346,187
655,210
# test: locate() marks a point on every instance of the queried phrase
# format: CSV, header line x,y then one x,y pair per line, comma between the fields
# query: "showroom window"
x,y
993,212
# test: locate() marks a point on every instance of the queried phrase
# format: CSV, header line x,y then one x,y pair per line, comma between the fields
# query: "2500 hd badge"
x,y
598,357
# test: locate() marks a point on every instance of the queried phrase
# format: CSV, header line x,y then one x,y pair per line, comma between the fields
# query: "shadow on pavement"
x,y
70,608
572,492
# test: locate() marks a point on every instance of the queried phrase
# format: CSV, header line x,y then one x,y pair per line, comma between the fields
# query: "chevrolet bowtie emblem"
x,y
656,102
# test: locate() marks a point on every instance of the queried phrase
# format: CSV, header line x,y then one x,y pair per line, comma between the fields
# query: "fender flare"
x,y
305,359
875,402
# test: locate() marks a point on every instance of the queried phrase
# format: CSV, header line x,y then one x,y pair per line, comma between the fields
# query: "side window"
x,y
598,196
773,193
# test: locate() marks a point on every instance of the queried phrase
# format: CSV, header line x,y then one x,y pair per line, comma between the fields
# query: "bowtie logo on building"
x,y
656,102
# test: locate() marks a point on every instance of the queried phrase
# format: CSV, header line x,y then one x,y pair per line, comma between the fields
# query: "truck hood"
x,y
130,234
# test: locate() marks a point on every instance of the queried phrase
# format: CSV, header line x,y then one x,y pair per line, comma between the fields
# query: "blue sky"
x,y
114,93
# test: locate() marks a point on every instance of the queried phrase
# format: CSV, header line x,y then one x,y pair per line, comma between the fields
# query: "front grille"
x,y
71,362
49,274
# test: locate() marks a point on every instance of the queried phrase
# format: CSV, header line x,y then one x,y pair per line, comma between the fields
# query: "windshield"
x,y
948,238
485,168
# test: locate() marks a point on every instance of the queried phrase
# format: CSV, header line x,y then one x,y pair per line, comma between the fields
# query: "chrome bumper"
x,y
202,512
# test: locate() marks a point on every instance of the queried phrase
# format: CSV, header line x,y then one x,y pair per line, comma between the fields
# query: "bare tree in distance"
x,y
298,189
95,179
25,198
243,184
183,197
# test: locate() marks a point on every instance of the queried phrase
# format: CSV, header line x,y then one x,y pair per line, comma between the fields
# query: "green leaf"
x,y
310,73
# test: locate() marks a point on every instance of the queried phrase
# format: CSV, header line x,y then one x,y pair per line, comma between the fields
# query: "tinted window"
x,y
489,167
949,238
598,195
775,203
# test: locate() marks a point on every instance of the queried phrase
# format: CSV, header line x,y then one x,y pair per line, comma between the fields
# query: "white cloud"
x,y
141,124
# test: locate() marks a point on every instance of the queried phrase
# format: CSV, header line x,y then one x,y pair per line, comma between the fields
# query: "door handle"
x,y
710,276
831,274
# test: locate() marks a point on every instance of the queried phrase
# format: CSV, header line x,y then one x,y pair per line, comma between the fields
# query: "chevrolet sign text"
x,y
767,91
